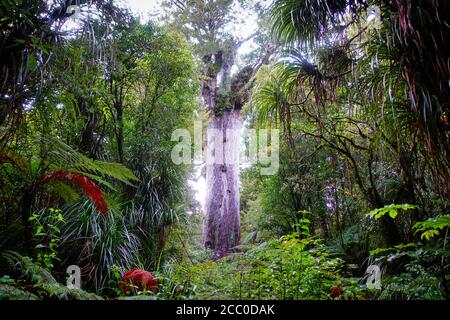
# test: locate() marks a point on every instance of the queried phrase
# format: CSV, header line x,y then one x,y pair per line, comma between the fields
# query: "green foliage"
x,y
355,137
106,107
48,233
223,103
115,280
306,21
60,155
423,267
362,125
210,34
392,210
35,282
288,268
432,226
416,284
421,272
103,244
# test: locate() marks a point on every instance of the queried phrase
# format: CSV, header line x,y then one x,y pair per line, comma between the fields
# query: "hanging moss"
x,y
223,103
238,84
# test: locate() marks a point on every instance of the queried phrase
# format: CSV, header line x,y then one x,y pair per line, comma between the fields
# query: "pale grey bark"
x,y
221,231
222,225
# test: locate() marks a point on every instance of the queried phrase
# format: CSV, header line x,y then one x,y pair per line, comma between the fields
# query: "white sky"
x,y
143,7
148,8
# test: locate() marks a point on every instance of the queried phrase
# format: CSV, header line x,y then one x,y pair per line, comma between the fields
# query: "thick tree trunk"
x,y
222,225
222,222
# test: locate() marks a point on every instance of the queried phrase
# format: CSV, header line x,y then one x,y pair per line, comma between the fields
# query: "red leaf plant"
x,y
140,278
89,188
336,291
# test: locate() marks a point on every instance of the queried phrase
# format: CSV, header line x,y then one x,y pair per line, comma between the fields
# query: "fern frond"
x,y
61,156
66,192
117,171
43,283
28,269
9,292
89,188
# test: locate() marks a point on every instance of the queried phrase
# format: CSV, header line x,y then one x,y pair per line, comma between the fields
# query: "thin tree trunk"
x,y
119,133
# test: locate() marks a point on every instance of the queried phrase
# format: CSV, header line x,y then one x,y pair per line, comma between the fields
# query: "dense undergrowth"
x,y
358,89
297,266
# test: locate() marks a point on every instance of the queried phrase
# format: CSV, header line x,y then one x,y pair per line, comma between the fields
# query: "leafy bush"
x,y
419,273
47,231
288,268
415,270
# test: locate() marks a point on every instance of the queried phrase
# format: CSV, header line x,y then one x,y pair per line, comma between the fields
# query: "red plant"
x,y
140,278
336,291
89,188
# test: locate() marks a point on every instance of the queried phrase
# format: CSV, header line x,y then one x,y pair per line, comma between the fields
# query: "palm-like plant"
x,y
97,244
309,22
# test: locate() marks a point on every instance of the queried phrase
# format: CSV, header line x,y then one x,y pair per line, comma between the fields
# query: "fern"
x,y
40,284
66,192
28,269
61,156
90,189
67,168
10,292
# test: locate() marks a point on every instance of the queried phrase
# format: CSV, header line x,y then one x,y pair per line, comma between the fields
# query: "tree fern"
x,y
61,156
69,168
90,189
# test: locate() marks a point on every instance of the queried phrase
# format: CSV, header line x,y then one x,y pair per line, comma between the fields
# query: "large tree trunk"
x,y
222,225
224,99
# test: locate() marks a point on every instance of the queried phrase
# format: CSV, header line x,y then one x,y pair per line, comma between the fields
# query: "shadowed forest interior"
x,y
347,196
